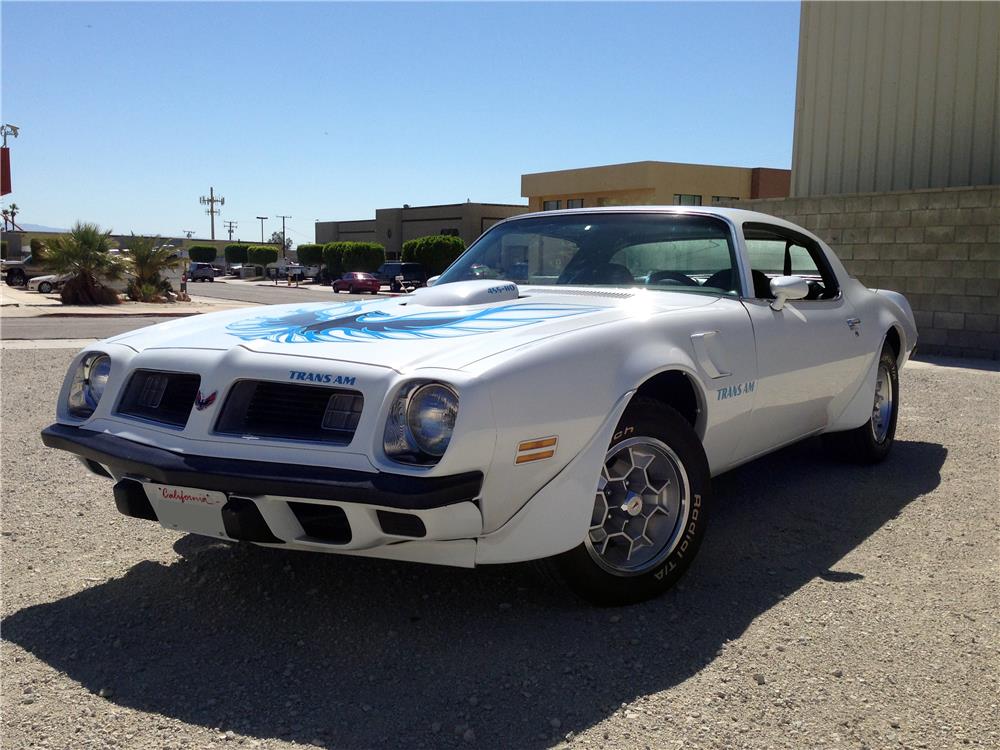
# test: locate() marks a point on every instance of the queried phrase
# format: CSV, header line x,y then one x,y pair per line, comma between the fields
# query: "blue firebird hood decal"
x,y
351,322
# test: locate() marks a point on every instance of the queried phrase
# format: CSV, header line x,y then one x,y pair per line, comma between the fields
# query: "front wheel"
x,y
871,442
15,277
649,510
45,287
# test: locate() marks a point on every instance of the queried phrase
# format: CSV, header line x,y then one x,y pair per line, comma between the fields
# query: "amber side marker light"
x,y
536,450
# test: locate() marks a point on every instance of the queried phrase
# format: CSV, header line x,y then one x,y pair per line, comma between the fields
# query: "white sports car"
x,y
566,390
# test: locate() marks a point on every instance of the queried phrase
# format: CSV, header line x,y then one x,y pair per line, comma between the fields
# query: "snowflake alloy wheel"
x,y
640,508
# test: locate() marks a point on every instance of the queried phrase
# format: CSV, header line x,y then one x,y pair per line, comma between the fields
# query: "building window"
x,y
574,203
551,205
685,199
724,198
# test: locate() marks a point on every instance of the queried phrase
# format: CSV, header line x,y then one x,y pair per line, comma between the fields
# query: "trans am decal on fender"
x,y
355,324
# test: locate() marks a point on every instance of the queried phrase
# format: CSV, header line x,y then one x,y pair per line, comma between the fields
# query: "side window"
x,y
776,251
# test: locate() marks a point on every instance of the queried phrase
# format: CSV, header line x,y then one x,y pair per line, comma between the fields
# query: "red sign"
x,y
4,170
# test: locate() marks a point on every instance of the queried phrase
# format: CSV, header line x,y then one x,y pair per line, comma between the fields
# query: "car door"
x,y
810,355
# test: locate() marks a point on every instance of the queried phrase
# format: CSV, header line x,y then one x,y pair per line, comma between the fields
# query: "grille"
x,y
260,408
164,397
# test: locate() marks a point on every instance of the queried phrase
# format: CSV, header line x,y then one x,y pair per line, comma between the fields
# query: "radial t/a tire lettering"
x,y
650,510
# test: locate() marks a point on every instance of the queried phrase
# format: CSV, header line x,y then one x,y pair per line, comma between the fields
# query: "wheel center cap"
x,y
632,504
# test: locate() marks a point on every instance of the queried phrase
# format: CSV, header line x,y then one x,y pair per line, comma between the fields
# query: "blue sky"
x,y
130,111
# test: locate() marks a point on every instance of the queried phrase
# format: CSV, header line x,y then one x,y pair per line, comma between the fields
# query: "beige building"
x,y
650,183
896,96
391,227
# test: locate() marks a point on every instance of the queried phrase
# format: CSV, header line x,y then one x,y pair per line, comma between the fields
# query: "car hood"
x,y
449,326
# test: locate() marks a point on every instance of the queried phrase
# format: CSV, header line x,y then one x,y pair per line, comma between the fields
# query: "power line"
x,y
230,226
210,201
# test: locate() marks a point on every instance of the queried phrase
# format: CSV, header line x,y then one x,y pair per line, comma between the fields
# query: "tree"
x,y
85,253
235,253
435,252
276,240
148,258
261,255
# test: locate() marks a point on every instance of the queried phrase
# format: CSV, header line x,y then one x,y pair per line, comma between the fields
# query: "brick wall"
x,y
941,248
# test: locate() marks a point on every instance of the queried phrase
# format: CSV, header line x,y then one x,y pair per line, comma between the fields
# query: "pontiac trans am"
x,y
565,391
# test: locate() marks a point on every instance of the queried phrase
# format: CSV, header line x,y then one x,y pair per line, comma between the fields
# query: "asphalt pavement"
x,y
261,293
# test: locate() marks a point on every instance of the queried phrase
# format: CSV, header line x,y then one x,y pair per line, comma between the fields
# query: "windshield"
x,y
676,252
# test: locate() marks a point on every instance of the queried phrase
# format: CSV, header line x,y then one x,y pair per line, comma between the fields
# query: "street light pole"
x,y
262,218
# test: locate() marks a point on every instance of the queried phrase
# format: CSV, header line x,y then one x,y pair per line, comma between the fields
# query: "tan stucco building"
x,y
651,183
391,227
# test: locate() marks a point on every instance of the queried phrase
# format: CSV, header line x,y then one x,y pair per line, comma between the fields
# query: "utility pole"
x,y
279,216
230,226
262,218
210,201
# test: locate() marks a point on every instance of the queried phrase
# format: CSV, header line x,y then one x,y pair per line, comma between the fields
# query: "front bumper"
x,y
251,478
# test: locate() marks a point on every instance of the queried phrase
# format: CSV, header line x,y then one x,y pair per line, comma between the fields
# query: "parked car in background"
x,y
479,421
201,272
400,276
48,283
19,272
357,282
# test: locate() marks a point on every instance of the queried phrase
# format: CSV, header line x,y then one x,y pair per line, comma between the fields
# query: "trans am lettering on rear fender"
x,y
354,323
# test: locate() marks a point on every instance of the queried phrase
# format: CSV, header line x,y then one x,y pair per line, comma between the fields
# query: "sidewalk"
x,y
16,302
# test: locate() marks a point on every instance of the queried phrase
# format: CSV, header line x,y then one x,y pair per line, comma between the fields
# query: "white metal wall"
x,y
896,96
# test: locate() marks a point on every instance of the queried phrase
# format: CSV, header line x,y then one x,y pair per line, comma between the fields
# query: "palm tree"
x,y
147,259
85,253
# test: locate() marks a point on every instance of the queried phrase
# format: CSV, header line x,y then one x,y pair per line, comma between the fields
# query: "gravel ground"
x,y
831,606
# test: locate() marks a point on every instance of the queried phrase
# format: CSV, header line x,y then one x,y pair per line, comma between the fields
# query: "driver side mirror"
x,y
433,280
785,288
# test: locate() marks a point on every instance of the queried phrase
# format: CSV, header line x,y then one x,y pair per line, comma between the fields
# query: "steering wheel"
x,y
670,277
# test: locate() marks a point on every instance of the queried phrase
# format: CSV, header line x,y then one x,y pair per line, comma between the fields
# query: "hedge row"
x,y
435,252
310,255
261,255
343,257
202,253
236,253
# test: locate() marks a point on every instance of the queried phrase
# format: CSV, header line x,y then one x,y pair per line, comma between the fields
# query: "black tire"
x,y
595,581
350,290
45,287
15,277
212,279
871,442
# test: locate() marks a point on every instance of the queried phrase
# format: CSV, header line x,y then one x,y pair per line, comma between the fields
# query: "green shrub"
x,y
363,256
310,255
235,253
333,258
202,253
261,255
435,252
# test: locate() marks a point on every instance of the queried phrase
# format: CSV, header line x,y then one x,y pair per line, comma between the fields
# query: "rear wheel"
x,y
15,277
350,290
649,510
872,441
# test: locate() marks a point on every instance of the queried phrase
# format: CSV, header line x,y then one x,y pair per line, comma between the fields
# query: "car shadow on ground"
x,y
366,653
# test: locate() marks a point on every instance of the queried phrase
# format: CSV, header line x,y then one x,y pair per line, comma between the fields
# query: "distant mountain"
x,y
40,228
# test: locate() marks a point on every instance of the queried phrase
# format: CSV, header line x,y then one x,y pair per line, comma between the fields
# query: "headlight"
x,y
420,423
89,382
